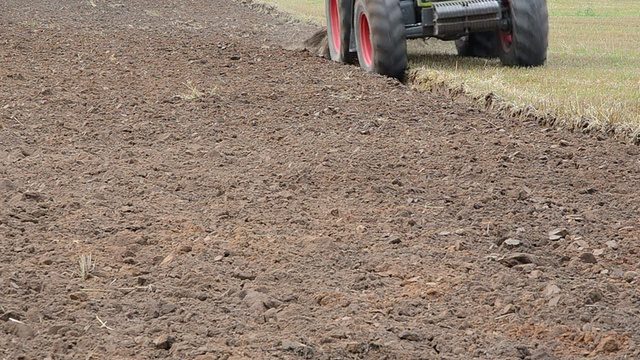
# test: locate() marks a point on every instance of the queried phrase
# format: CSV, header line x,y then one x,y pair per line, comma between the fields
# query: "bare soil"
x,y
241,199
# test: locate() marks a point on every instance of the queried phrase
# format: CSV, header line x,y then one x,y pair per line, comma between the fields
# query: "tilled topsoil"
x,y
176,184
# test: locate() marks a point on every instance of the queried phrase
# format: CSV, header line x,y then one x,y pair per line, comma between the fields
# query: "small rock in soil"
x,y
557,234
508,309
58,329
511,243
300,349
608,344
6,185
244,276
518,258
411,336
354,347
526,268
551,289
168,308
259,301
523,350
18,329
617,273
34,196
167,260
291,345
394,239
594,296
629,276
535,274
579,245
612,244
79,296
588,191
164,341
11,315
157,259
588,258
586,317
541,354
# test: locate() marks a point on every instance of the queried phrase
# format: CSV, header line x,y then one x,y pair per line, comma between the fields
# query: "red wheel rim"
x,y
506,39
365,41
335,24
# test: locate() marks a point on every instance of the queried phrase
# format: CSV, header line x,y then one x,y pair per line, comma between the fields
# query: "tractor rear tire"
x,y
481,45
526,43
339,16
380,37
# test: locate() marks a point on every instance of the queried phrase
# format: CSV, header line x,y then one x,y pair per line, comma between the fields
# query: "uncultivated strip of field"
x,y
308,10
591,79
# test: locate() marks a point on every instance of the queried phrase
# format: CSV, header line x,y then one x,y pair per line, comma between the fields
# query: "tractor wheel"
x,y
380,37
339,15
526,39
482,45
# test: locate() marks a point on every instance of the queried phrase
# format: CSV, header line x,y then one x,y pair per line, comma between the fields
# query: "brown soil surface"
x,y
239,200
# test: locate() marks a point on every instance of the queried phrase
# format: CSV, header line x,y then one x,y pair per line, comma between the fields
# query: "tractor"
x,y
374,32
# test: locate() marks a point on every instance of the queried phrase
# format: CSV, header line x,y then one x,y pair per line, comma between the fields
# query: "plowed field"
x,y
175,183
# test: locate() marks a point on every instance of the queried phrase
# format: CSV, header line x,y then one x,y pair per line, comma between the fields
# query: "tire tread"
x,y
530,34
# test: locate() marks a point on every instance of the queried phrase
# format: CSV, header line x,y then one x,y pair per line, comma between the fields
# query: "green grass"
x,y
592,76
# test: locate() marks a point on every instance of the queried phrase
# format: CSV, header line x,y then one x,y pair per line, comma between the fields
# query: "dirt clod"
x,y
630,276
164,341
20,330
588,258
608,344
411,336
558,233
318,44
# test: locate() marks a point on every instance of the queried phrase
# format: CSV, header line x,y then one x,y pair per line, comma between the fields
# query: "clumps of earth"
x,y
175,184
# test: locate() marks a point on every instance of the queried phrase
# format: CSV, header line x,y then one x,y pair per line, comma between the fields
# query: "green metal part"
x,y
423,3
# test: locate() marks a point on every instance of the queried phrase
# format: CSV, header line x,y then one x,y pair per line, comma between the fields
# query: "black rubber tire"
x,y
380,37
339,24
527,42
481,45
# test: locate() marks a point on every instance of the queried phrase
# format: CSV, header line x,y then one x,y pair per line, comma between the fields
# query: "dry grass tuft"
x,y
193,93
86,265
